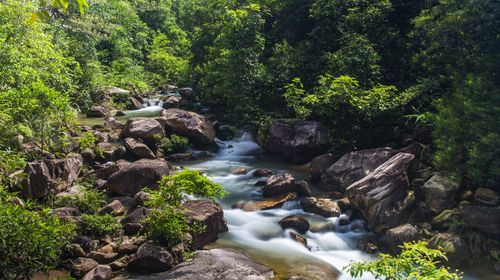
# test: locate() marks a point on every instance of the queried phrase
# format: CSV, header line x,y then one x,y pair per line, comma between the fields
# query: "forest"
x,y
342,77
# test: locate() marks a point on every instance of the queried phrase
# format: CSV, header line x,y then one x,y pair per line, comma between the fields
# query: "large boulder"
x,y
134,104
353,167
50,176
196,127
132,178
319,165
278,184
210,215
149,131
440,193
382,196
454,247
296,222
296,140
484,219
139,149
97,112
150,258
396,236
221,264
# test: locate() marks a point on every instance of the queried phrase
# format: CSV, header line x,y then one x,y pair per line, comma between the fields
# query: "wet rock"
x,y
368,245
149,259
278,184
353,167
127,248
134,104
440,193
486,197
50,176
102,258
296,140
171,102
207,213
197,128
240,171
299,238
396,236
76,251
454,247
225,132
319,165
81,266
149,131
303,188
116,208
97,112
262,172
321,206
265,204
118,153
296,222
139,149
101,272
221,264
132,178
484,219
113,123
382,196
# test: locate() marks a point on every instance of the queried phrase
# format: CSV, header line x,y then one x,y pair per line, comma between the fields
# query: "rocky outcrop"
x,y
50,176
484,219
395,237
319,165
296,140
197,128
321,206
296,222
209,214
278,184
221,264
132,178
149,131
440,193
138,149
382,196
353,167
150,258
97,112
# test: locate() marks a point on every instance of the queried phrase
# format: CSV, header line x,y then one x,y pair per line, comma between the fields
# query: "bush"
x,y
416,261
90,201
87,140
167,222
11,161
99,225
29,241
174,144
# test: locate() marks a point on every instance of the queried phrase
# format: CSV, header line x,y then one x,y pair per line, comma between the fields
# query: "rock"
x,y
454,247
103,172
187,92
115,91
321,206
63,212
368,245
100,136
265,204
262,172
297,222
424,174
127,248
225,132
116,208
296,140
467,195
113,123
240,171
120,114
132,178
76,251
87,243
207,213
107,149
279,184
101,272
221,264
484,219
118,153
396,236
486,197
148,130
88,156
132,228
108,249
50,176
303,188
319,165
197,128
299,238
135,216
139,149
445,218
102,258
497,267
171,102
353,167
440,193
139,199
97,112
81,266
382,196
117,265
150,259
134,104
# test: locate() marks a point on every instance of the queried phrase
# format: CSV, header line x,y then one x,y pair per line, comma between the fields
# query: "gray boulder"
x,y
139,149
440,193
150,258
97,112
196,127
396,236
278,184
149,131
101,272
321,206
319,165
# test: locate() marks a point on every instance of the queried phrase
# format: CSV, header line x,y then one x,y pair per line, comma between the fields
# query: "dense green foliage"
x,y
167,222
99,225
416,261
88,201
30,241
173,144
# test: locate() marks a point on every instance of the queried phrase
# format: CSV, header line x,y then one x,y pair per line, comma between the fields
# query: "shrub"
x,y
99,225
88,202
11,161
87,140
416,261
30,241
174,144
167,222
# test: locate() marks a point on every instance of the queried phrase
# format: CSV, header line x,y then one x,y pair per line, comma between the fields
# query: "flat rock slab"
x,y
221,264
